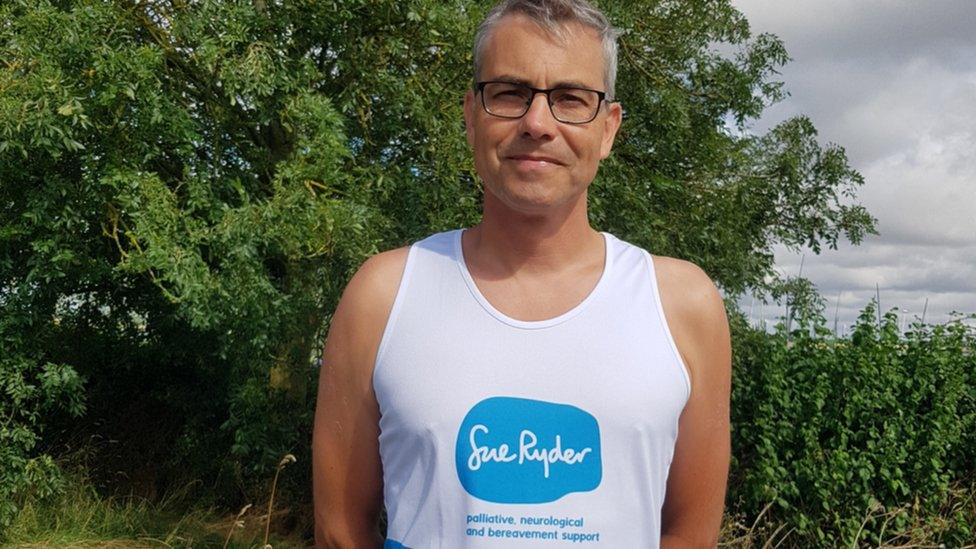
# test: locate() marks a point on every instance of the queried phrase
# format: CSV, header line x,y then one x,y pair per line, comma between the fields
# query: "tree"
x,y
688,178
185,187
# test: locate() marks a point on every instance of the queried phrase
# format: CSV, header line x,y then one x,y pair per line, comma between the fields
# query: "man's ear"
x,y
610,126
469,105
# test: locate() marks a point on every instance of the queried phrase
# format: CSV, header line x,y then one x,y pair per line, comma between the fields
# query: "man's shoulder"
x,y
376,282
357,325
383,266
374,286
685,287
694,310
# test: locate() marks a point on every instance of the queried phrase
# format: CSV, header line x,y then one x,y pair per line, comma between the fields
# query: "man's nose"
x,y
537,122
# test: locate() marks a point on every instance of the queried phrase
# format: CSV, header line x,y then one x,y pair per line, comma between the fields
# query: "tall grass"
x,y
80,517
919,528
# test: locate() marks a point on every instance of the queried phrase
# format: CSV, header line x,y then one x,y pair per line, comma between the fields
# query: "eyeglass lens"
x,y
571,105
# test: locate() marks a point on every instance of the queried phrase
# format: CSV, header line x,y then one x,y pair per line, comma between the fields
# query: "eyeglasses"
x,y
567,105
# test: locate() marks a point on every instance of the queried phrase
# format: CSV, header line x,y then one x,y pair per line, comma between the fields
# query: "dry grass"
x,y
900,527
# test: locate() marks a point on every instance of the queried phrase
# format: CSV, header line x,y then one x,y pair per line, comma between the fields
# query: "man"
x,y
527,382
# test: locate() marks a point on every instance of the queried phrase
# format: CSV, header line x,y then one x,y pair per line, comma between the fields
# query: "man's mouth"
x,y
534,161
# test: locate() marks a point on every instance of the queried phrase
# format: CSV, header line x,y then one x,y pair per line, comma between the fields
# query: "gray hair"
x,y
551,16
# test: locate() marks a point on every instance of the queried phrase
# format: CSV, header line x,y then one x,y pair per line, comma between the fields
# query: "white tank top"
x,y
497,432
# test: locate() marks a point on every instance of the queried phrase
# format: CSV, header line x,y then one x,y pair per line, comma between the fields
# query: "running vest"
x,y
497,432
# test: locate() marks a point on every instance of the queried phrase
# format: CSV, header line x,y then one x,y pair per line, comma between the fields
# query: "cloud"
x,y
894,83
878,31
912,277
926,194
876,109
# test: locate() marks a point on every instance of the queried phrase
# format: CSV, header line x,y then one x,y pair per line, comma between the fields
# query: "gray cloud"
x,y
894,83
879,32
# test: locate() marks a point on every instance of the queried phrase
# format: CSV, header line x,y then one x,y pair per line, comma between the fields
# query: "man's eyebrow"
x,y
573,84
510,79
561,84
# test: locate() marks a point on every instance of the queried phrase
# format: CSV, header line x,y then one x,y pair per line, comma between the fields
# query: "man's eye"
x,y
571,99
510,94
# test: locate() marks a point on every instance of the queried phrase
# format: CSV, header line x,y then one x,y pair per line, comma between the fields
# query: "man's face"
x,y
534,163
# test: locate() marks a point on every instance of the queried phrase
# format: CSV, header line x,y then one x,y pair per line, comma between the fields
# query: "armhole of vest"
x,y
394,312
659,305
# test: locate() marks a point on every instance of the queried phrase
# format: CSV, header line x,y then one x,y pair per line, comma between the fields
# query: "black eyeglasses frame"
x,y
480,88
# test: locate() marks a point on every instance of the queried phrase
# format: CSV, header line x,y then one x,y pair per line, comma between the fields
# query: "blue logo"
x,y
516,450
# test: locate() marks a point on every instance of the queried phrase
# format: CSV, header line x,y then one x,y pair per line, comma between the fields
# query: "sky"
x,y
894,83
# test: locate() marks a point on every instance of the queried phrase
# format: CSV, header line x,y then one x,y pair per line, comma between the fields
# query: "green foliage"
x,y
839,433
687,178
28,390
79,517
185,188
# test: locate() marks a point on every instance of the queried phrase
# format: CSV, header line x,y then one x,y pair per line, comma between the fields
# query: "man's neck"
x,y
508,242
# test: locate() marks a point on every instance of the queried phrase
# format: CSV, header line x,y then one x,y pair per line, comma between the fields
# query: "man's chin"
x,y
531,199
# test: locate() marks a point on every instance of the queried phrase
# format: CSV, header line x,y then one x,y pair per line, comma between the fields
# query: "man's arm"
x,y
695,499
347,475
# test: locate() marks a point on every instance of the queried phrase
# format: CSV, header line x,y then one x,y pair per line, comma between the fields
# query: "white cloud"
x,y
926,194
894,83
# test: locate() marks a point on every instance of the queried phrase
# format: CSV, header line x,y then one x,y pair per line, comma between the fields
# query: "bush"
x,y
28,389
839,432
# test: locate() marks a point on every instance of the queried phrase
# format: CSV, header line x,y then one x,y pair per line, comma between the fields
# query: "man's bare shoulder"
x,y
363,310
694,310
686,289
374,286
